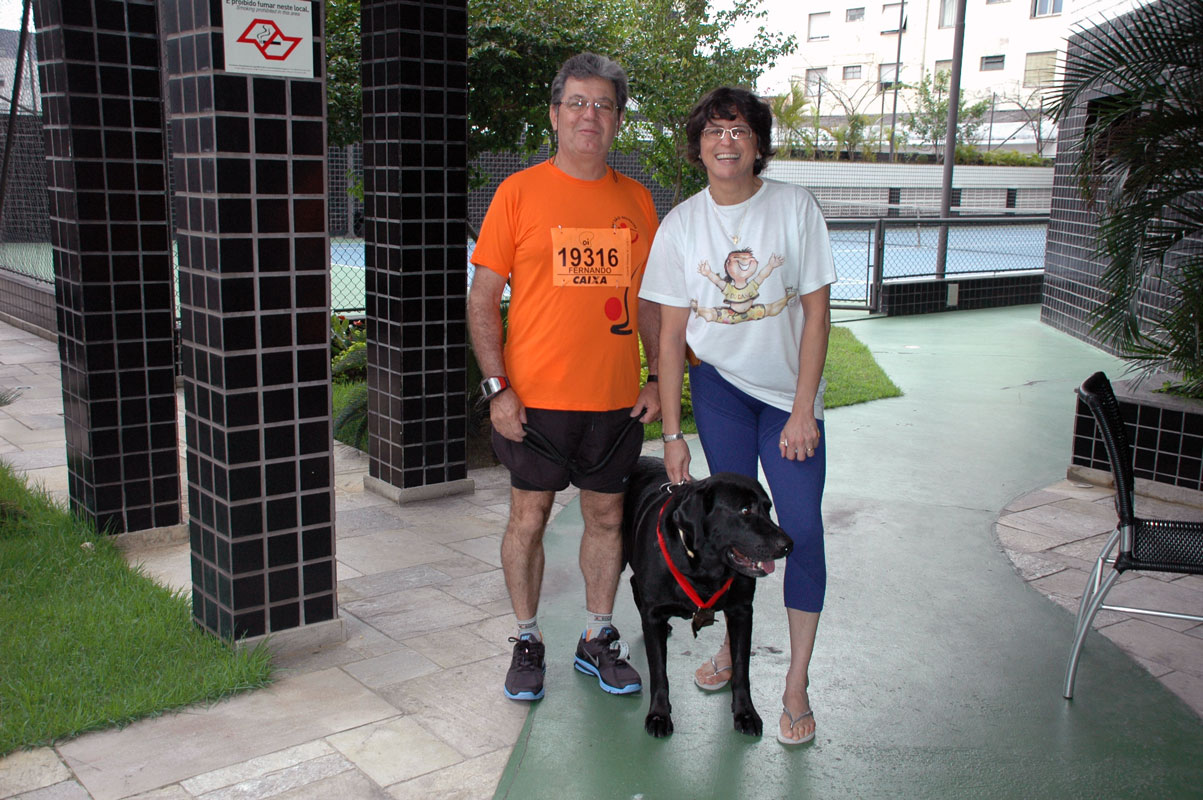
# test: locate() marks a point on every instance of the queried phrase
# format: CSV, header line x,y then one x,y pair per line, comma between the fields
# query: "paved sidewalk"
x,y
410,705
1053,537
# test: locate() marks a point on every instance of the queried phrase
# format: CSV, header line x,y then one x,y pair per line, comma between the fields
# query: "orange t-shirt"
x,y
572,333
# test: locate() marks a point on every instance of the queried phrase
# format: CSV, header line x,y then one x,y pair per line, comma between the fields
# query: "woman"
x,y
757,327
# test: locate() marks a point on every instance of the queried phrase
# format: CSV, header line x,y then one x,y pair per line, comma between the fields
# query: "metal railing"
x,y
869,252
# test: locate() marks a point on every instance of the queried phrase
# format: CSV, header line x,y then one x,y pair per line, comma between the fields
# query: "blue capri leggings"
x,y
736,431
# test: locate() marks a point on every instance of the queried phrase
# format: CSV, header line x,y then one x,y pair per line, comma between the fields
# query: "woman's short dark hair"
x,y
591,65
728,102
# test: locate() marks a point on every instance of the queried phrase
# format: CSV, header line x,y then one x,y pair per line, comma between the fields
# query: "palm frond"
x,y
1140,163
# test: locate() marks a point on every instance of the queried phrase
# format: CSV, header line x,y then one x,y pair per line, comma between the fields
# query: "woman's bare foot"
x,y
797,720
714,674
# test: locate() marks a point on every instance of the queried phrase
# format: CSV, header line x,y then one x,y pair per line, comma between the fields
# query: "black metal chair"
x,y
1149,545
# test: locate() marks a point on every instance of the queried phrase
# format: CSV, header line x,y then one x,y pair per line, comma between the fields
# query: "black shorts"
x,y
583,438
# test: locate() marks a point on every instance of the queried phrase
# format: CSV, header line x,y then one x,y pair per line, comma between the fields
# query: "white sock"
x,y
530,629
594,623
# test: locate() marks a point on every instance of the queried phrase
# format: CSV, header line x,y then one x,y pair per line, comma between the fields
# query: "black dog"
x,y
695,550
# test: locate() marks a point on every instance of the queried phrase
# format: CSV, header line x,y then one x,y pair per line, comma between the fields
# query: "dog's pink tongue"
x,y
768,567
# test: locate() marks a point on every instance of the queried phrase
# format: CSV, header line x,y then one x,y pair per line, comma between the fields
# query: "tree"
x,y
852,135
797,122
929,123
1140,84
515,48
344,120
674,51
1035,113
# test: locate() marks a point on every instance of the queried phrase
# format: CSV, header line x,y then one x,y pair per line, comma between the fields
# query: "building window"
x,y
993,63
852,73
948,13
820,26
943,66
855,14
889,17
887,76
1040,69
1045,8
815,79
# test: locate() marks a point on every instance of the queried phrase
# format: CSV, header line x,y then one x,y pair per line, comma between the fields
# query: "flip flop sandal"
x,y
792,722
715,670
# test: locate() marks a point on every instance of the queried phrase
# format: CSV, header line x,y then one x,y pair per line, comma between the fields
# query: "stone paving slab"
x,y
1170,649
164,750
28,770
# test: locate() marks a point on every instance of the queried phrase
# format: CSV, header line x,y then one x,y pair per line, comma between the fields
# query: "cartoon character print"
x,y
741,289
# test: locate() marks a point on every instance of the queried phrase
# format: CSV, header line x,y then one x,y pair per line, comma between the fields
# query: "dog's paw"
x,y
748,722
659,725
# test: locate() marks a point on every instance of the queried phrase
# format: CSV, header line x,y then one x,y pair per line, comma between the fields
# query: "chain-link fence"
x,y
905,195
24,220
344,198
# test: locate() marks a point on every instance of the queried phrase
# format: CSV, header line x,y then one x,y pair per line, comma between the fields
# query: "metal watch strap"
x,y
493,386
672,437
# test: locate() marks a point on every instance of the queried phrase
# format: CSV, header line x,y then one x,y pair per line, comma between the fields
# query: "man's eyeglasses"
x,y
717,134
577,105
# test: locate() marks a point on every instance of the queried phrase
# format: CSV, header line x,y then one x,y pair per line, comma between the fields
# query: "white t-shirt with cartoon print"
x,y
741,269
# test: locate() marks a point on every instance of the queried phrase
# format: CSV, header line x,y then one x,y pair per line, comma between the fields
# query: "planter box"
x,y
1166,433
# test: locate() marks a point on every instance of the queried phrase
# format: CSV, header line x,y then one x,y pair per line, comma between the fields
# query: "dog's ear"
x,y
690,514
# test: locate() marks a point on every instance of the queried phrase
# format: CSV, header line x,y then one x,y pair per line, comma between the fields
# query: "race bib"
x,y
591,256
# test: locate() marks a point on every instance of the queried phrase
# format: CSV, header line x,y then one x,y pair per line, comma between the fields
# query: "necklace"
x,y
734,237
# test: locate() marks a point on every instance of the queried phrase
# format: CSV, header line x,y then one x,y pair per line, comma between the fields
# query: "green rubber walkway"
x,y
937,671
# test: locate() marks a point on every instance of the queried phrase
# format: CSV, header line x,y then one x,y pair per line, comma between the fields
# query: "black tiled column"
x,y
415,186
106,170
249,168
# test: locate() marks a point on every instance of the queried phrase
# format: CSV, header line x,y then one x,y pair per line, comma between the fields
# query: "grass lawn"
x,y
853,376
86,642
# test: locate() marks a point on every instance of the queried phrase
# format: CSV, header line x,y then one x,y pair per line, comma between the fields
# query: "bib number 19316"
x,y
591,256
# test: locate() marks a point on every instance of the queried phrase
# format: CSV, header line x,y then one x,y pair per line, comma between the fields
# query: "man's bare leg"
x,y
522,549
601,549
602,654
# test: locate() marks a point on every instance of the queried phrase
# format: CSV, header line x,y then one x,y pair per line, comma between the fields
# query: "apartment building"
x,y
851,53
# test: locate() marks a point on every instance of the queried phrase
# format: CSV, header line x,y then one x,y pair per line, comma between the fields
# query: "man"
x,y
571,236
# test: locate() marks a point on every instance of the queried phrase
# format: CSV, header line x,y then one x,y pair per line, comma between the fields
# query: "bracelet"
x,y
651,378
672,437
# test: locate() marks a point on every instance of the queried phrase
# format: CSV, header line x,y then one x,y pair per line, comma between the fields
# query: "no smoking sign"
x,y
269,37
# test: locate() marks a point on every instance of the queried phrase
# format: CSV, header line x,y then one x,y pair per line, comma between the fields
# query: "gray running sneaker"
x,y
605,658
524,681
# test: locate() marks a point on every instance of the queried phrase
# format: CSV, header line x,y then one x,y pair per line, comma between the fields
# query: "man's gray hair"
x,y
591,65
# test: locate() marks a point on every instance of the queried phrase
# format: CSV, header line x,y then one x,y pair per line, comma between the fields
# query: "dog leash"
x,y
543,446
704,615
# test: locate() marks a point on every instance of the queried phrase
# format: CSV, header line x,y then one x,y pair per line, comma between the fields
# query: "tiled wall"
x,y
1167,443
415,185
1071,268
106,175
27,302
900,298
249,166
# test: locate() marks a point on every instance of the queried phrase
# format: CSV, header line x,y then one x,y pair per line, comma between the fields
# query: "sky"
x,y
786,16
10,15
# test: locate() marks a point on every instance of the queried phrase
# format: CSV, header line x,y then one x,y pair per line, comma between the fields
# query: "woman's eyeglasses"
x,y
717,134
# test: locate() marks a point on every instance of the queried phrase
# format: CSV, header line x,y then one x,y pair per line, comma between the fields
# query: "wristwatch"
x,y
672,437
491,387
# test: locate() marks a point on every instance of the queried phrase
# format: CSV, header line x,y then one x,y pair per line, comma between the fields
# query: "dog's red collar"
x,y
682,581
